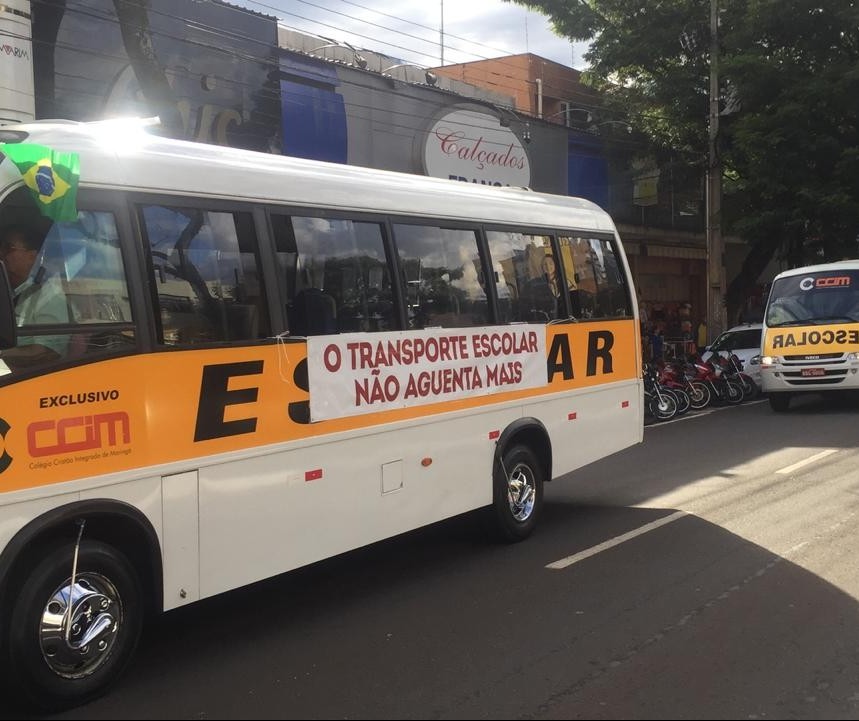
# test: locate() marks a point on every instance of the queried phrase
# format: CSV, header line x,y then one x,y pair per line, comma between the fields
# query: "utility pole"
x,y
716,313
441,34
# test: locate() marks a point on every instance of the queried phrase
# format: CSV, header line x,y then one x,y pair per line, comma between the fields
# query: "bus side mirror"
x,y
8,328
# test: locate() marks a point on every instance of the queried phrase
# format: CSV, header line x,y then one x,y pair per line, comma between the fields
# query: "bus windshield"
x,y
830,296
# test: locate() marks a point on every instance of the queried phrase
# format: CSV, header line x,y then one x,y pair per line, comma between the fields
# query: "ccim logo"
x,y
5,459
840,281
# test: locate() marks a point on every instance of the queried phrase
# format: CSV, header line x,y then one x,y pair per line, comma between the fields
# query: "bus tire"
x,y
779,402
107,613
517,494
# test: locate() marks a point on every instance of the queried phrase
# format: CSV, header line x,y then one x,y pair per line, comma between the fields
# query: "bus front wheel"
x,y
779,402
68,643
517,496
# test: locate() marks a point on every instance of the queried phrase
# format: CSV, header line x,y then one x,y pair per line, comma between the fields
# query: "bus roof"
x,y
838,265
123,154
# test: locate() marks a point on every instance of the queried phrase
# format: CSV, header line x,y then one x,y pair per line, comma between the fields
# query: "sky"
x,y
410,30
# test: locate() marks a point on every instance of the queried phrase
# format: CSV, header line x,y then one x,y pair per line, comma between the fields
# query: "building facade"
x,y
371,109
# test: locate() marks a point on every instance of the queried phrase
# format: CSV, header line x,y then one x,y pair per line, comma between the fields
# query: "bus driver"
x,y
39,298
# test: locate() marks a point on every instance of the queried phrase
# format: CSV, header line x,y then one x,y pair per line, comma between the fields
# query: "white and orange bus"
x,y
810,341
241,363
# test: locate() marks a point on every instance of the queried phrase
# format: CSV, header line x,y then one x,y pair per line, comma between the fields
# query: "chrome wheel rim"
x,y
521,491
80,625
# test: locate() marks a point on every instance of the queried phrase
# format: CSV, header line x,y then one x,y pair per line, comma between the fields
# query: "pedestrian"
x,y
657,344
702,335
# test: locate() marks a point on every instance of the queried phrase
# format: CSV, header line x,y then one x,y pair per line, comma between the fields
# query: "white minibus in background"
x,y
811,332
244,363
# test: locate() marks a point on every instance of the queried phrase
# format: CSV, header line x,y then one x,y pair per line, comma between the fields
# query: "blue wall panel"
x,y
313,112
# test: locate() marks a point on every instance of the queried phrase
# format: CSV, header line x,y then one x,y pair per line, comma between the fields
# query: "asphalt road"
x,y
709,573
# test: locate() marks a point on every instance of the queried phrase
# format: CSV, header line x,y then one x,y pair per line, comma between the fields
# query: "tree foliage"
x,y
789,138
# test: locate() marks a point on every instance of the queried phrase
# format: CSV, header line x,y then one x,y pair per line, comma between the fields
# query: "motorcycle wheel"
x,y
699,395
684,403
733,392
663,406
750,388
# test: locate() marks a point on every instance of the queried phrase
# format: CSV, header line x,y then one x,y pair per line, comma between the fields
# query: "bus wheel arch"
x,y
522,465
118,575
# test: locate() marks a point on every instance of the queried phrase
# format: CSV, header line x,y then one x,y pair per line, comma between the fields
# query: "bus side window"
x,y
71,296
526,276
443,278
91,261
336,275
206,274
599,289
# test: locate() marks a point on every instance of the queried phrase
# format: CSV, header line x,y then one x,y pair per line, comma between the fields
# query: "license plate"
x,y
813,372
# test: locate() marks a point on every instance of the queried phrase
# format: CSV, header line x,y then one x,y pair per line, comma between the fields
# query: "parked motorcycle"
x,y
732,367
659,402
673,374
723,388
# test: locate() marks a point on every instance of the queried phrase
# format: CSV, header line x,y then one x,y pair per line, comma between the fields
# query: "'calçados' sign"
x,y
474,147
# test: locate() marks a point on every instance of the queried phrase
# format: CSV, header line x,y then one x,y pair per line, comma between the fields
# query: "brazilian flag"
x,y
51,176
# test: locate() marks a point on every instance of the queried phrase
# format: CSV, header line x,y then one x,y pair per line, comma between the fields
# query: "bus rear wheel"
x,y
68,643
517,495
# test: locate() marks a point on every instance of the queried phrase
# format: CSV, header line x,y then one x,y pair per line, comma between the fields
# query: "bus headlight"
x,y
852,356
755,360
768,360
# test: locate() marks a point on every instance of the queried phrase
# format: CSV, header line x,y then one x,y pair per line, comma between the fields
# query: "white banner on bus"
x,y
356,373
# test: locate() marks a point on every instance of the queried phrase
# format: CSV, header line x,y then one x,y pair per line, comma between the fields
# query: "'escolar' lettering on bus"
x,y
826,337
215,397
560,357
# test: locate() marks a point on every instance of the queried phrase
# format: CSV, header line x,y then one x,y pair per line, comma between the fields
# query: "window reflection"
x,y
70,291
443,277
595,278
206,275
336,275
526,277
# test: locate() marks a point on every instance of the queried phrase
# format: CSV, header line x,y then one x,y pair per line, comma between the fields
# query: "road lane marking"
x,y
699,414
811,459
616,541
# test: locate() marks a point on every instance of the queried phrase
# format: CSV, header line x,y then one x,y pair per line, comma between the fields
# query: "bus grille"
x,y
816,356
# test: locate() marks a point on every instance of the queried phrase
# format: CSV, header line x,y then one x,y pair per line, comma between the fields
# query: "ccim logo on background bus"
x,y
840,281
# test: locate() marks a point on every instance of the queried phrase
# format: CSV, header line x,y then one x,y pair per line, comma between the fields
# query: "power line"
x,y
107,17
401,20
499,78
382,41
